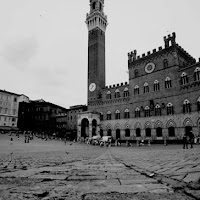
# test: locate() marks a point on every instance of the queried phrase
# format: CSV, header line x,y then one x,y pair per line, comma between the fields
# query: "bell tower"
x,y
96,22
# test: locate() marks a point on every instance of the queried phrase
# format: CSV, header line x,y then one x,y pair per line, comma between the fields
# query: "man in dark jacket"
x,y
185,141
191,136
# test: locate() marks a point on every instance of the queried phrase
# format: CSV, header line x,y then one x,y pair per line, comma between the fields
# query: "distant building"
x,y
161,99
9,105
39,116
66,123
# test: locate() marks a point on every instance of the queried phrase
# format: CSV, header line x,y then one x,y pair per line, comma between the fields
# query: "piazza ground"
x,y
51,170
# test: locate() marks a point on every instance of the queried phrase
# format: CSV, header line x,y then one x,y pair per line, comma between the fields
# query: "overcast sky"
x,y
43,43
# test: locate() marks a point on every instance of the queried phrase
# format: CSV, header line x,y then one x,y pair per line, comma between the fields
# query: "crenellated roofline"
x,y
173,46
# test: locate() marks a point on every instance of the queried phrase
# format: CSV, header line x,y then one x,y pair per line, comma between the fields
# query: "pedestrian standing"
x,y
191,136
185,141
109,142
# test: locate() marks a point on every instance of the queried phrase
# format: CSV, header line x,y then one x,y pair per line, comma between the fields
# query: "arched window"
x,y
136,73
94,5
108,95
146,88
126,92
117,114
156,85
159,132
109,115
117,93
147,111
136,90
126,114
138,132
184,78
137,112
165,63
170,109
127,132
168,83
186,106
148,132
198,104
101,116
197,74
171,132
157,110
109,132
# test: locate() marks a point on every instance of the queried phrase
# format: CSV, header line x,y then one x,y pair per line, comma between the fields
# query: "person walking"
x,y
185,141
191,136
11,141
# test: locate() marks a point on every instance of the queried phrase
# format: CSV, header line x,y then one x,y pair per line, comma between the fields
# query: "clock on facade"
x,y
92,87
149,67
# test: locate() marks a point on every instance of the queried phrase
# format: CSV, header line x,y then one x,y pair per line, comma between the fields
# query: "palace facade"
x,y
160,100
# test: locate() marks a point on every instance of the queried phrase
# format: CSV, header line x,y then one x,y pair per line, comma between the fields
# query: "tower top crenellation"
x,y
96,17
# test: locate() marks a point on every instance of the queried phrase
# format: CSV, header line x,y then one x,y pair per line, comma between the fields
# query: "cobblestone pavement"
x,y
50,170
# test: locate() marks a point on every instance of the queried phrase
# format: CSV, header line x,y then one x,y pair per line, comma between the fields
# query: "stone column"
x,y
143,134
79,131
90,129
114,134
122,134
165,136
132,133
179,132
153,134
98,129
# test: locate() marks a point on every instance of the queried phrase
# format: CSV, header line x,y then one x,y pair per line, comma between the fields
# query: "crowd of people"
x,y
188,140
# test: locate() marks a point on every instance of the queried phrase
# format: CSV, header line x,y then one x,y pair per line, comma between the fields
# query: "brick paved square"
x,y
52,170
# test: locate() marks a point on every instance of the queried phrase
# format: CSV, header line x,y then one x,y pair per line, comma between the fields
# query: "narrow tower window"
x,y
197,74
170,109
156,86
126,92
100,6
168,83
137,112
126,114
157,110
117,94
147,111
146,88
109,115
94,5
117,114
184,78
136,90
165,63
186,106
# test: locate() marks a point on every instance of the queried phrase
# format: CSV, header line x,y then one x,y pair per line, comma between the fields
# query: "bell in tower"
x,y
96,5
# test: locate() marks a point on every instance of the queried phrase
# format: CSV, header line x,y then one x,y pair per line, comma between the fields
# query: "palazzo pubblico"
x,y
160,100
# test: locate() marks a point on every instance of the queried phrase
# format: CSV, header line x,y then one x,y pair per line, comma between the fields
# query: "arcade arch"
x,y
85,128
